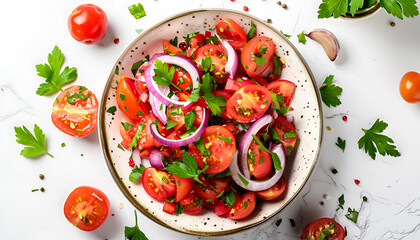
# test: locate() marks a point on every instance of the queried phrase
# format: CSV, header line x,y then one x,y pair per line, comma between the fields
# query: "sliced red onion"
x,y
232,62
155,159
253,185
158,108
136,156
159,91
181,142
246,142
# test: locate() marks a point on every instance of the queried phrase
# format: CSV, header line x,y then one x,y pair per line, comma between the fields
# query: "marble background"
x,y
372,60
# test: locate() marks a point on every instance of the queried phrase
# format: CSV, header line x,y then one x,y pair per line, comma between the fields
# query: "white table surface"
x,y
373,58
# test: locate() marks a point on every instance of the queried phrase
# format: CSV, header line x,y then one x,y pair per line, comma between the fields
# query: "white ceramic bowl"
x,y
307,120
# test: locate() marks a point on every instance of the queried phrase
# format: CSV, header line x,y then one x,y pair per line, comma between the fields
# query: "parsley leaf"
x,y
189,119
112,110
341,143
374,142
330,92
334,8
229,198
214,103
137,136
352,215
51,71
286,35
251,33
399,7
126,125
170,124
199,144
301,38
225,139
164,75
274,156
134,233
355,5
137,10
187,168
340,202
136,173
35,145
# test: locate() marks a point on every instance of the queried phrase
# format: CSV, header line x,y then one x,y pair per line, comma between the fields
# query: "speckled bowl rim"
x,y
106,151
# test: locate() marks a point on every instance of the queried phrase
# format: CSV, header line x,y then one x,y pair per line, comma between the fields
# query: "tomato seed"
x,y
345,118
246,8
116,41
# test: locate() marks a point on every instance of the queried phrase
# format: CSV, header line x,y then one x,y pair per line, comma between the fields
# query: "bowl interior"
x,y
307,120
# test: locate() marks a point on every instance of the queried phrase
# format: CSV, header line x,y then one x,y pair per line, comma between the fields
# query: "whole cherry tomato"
x,y
88,23
410,87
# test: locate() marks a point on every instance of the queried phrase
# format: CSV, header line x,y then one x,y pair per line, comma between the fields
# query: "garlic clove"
x,y
327,40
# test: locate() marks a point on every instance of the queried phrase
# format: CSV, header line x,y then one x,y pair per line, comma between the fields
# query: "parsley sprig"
x,y
54,79
374,142
164,75
187,168
330,92
35,145
134,233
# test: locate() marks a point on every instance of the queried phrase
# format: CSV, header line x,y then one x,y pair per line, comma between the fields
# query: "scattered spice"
x,y
278,3
357,181
334,171
35,190
121,205
292,222
345,118
246,8
102,46
326,196
365,199
42,189
116,40
322,203
329,128
284,6
63,145
278,222
81,154
392,24
269,20
41,176
112,214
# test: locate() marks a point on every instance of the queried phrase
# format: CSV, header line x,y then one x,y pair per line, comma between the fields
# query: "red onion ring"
x,y
158,91
156,108
181,142
253,185
246,142
232,62
155,159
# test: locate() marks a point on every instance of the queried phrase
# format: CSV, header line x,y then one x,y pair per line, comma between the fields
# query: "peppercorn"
x,y
41,176
284,6
345,118
392,24
278,3
42,189
334,171
365,199
269,20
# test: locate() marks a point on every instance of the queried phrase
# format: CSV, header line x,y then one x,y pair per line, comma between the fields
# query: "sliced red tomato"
x,y
199,112
257,56
128,100
86,208
140,83
128,129
249,103
211,188
197,40
169,207
232,85
244,206
220,207
169,48
75,111
283,87
327,227
146,139
218,57
191,203
232,32
158,184
145,152
227,96
183,80
221,143
183,187
274,192
176,115
232,127
286,132
259,161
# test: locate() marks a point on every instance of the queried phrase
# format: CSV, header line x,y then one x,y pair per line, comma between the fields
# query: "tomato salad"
x,y
210,114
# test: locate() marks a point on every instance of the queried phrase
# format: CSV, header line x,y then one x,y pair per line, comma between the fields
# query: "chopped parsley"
x,y
301,37
330,92
341,143
137,10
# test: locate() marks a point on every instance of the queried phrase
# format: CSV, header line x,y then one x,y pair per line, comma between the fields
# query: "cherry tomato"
x,y
274,192
128,134
140,82
146,139
211,188
220,207
221,143
168,207
257,56
259,161
286,132
86,208
75,111
197,40
243,206
227,96
232,85
128,100
191,203
327,225
410,87
171,49
283,87
232,32
218,57
88,23
158,184
183,187
248,103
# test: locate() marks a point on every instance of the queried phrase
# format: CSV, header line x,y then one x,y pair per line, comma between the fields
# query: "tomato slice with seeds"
x,y
259,161
191,203
286,132
128,100
283,87
249,103
243,206
218,57
232,32
75,111
129,133
332,230
86,208
274,192
221,143
257,57
210,188
197,40
158,184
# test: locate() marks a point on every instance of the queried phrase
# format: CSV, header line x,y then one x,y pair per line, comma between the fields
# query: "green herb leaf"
x,y
225,139
208,83
188,133
35,190
214,103
126,125
136,65
286,35
111,110
340,202
229,198
63,145
134,233
301,38
274,156
341,143
206,63
51,72
179,208
174,41
189,119
330,92
137,10
251,33
187,168
290,134
278,222
243,180
199,144
35,145
137,136
195,95
374,142
170,124
136,173
121,147
352,215
164,75
399,7
274,136
356,5
335,8
117,70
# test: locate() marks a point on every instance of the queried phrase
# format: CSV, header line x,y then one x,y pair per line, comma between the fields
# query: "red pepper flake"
x,y
345,118
357,181
116,41
246,8
2,90
232,0
112,214
131,162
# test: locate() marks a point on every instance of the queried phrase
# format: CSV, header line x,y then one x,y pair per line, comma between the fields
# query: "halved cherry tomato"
x,y
259,161
220,207
128,134
211,188
218,57
327,225
221,143
274,192
176,115
128,100
191,203
75,111
183,80
183,187
286,132
169,48
232,32
283,87
227,96
158,184
146,139
169,207
243,206
140,81
410,87
232,85
257,57
197,40
249,103
86,208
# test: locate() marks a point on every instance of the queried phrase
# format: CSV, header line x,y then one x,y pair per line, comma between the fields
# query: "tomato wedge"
x,y
86,208
259,161
249,103
75,111
333,230
128,100
257,56
227,96
232,32
286,132
191,203
218,57
183,187
243,206
158,184
283,87
274,192
171,49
